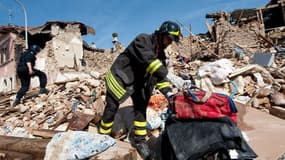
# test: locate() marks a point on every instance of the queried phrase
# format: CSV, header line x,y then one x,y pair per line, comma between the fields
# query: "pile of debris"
x,y
70,105
253,72
225,61
238,57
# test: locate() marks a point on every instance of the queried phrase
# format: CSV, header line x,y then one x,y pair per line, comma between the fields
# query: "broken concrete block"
x,y
74,84
24,108
85,90
278,99
259,79
80,121
98,106
93,82
95,74
62,127
92,129
263,59
261,103
263,92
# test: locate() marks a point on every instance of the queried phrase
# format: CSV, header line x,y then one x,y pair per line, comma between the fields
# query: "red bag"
x,y
216,105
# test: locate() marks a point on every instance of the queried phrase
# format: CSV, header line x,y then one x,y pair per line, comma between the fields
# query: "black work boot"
x,y
16,102
142,147
43,91
143,150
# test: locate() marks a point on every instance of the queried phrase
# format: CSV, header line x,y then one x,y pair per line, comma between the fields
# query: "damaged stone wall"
x,y
7,64
63,53
67,46
245,37
100,61
262,85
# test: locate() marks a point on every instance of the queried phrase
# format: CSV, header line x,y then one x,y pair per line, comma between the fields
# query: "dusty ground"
x,y
266,134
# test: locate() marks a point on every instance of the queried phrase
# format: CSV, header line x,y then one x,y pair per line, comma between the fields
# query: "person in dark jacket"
x,y
26,70
135,73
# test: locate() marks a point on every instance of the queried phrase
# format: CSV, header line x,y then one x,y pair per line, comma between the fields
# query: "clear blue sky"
x,y
126,17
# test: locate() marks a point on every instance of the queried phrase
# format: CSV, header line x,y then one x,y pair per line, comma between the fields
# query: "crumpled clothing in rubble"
x,y
218,71
77,145
193,139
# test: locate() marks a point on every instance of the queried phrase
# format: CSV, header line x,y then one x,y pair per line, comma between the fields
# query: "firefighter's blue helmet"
x,y
35,48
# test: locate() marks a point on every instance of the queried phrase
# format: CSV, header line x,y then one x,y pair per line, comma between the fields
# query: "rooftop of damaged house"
x,y
242,55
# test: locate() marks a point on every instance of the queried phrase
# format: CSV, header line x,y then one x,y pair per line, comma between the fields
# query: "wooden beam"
x,y
277,111
35,147
45,133
14,155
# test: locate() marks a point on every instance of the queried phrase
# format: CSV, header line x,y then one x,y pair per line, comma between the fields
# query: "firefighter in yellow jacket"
x,y
135,73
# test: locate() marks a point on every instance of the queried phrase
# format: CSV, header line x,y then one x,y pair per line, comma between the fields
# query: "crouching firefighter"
x,y
135,73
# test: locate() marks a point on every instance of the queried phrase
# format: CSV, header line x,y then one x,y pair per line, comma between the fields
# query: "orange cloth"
x,y
158,102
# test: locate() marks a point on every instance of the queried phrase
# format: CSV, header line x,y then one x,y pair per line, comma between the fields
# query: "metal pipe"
x,y
26,22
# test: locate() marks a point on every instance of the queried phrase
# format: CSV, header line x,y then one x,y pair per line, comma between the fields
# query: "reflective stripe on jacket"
x,y
138,65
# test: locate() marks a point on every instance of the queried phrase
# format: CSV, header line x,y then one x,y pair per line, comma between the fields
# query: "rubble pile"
x,y
70,105
99,61
256,74
221,61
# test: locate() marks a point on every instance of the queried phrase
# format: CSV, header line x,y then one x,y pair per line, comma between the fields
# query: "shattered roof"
x,y
11,28
84,29
243,13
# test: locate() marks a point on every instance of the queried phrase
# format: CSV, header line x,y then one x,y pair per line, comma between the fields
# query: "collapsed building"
x,y
76,72
254,30
248,38
62,50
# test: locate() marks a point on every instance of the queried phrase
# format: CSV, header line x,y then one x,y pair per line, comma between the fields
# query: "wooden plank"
x,y
277,111
45,133
8,110
7,155
35,147
4,100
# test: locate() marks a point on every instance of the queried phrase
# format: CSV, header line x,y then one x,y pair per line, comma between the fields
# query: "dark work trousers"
x,y
26,80
111,108
42,77
140,100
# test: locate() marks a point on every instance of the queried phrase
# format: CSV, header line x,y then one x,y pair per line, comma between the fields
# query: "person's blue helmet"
x,y
35,48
